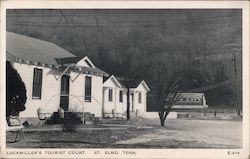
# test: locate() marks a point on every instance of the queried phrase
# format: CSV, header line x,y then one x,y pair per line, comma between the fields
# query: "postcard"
x,y
124,79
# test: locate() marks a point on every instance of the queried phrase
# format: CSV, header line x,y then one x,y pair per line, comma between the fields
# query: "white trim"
x,y
145,85
89,61
143,82
113,77
66,69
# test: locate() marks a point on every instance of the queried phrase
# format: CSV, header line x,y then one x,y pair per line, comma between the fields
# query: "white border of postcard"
x,y
140,153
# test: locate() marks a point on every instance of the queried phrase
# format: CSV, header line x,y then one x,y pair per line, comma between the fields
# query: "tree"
x,y
15,91
166,86
167,93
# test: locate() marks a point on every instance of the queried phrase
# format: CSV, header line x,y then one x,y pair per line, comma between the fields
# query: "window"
x,y
88,89
139,97
65,84
121,96
37,83
110,95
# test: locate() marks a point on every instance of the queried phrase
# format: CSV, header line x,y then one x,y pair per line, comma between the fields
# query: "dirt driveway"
x,y
191,134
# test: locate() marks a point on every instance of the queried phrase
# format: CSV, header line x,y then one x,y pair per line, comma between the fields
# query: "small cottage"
x,y
114,98
138,95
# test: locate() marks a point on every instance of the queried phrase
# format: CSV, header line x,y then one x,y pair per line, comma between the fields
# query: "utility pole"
x,y
237,107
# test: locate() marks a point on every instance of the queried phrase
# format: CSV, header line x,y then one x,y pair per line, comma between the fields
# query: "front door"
x,y
64,95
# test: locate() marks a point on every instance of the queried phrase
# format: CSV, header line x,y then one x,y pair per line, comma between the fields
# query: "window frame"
x,y
139,97
37,86
66,86
110,95
121,96
88,89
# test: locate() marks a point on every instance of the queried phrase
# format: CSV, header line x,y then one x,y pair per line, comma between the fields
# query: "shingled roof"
x,y
21,47
33,49
131,84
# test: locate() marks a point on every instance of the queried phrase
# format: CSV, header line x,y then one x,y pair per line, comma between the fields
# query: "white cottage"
x,y
54,77
138,97
115,96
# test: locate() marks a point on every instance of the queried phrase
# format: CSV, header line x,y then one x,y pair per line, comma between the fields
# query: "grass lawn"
x,y
176,134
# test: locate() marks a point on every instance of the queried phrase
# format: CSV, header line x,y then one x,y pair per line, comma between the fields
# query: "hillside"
x,y
202,39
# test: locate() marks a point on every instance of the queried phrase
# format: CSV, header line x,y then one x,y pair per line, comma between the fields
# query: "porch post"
x,y
115,98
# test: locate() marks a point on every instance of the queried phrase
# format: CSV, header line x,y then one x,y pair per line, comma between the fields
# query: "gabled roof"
x,y
112,78
145,85
76,60
133,84
129,84
86,61
33,49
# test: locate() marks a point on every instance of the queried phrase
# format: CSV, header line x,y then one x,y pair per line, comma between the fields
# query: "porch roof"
x,y
90,70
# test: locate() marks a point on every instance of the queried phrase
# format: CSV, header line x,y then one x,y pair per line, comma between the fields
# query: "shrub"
x,y
71,122
15,91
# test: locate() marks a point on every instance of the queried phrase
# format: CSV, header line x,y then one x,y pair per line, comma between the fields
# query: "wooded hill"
x,y
200,42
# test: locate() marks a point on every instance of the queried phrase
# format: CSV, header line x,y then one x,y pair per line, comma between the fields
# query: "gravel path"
x,y
192,134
